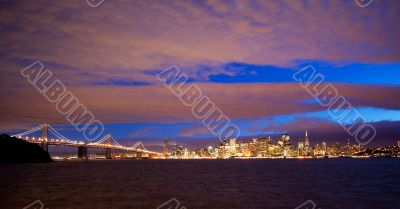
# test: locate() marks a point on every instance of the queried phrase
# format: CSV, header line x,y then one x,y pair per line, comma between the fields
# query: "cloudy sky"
x,y
242,54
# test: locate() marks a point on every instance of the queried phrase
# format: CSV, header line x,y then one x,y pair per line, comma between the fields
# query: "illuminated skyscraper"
x,y
232,142
306,142
210,149
324,148
286,140
166,147
307,148
300,146
177,151
232,146
398,143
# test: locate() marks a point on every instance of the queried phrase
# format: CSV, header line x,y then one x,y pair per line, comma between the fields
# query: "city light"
x,y
266,147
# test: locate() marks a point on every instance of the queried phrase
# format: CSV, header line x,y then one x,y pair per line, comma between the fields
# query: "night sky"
x,y
242,55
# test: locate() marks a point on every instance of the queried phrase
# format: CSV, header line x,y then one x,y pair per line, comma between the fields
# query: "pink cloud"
x,y
147,35
156,104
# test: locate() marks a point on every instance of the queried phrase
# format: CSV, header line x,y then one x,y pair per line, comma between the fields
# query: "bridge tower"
x,y
108,150
82,152
45,135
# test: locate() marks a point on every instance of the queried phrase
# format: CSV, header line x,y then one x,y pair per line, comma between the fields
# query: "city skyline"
x,y
282,147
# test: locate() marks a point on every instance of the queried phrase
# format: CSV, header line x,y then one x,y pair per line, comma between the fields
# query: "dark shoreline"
x,y
14,150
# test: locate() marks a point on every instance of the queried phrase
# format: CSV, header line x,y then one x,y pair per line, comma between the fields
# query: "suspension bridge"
x,y
108,143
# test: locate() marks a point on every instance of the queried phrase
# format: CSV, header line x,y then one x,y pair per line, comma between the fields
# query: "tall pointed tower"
x,y
306,142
